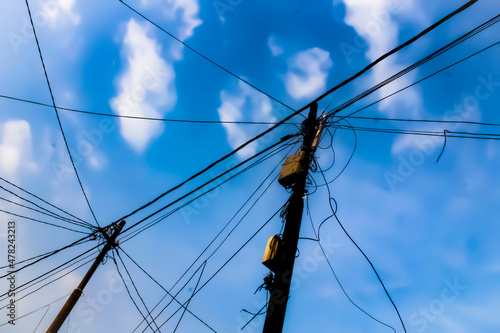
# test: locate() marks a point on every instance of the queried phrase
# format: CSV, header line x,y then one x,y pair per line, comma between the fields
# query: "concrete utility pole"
x,y
280,286
73,298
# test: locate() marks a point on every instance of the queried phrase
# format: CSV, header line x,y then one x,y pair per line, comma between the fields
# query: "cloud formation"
x,y
15,147
146,89
243,104
307,73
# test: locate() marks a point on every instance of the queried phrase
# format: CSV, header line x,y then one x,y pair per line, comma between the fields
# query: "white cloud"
x,y
187,10
60,11
146,89
374,22
243,104
16,147
275,48
307,73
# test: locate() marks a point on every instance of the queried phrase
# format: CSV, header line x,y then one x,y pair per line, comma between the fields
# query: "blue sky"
x,y
429,228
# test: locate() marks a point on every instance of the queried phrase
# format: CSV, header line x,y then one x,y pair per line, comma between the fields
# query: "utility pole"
x,y
73,298
284,259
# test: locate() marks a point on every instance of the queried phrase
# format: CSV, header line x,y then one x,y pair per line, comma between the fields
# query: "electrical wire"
x,y
40,221
102,114
130,295
210,181
417,82
18,287
45,201
147,226
46,305
362,252
317,235
64,219
227,262
164,289
221,231
44,256
449,134
414,66
398,48
194,290
57,113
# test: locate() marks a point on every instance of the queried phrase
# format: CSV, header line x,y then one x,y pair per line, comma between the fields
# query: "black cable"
x,y
417,82
48,272
64,219
54,280
168,292
461,122
194,290
147,226
227,262
132,299
363,253
135,287
183,305
220,232
27,314
44,201
44,256
450,134
399,48
74,222
281,122
57,113
43,222
419,63
189,121
206,183
317,235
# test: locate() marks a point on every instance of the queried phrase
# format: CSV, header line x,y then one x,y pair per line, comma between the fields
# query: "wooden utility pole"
x,y
280,286
73,298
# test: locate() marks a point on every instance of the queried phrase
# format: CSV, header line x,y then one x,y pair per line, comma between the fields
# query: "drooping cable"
x,y
362,252
417,82
57,113
164,289
44,201
225,264
148,314
419,63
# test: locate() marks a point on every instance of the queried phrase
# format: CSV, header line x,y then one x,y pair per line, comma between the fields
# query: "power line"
x,y
168,292
362,252
57,113
305,107
224,265
130,295
450,134
317,235
75,222
40,221
41,212
194,290
49,254
397,49
189,121
419,63
190,201
222,230
206,183
415,83
42,200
